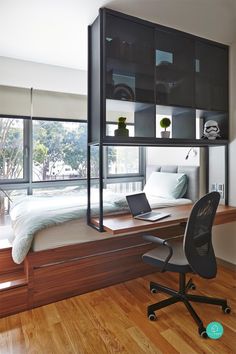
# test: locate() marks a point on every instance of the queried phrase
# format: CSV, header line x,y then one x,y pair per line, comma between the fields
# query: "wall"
x,y
21,73
176,156
172,156
225,235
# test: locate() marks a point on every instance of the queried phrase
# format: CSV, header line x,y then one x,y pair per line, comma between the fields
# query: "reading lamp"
x,y
189,151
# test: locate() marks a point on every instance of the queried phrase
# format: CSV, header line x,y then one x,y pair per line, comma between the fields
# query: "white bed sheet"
x,y
77,231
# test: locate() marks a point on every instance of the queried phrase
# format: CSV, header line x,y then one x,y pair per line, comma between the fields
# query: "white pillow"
x,y
166,185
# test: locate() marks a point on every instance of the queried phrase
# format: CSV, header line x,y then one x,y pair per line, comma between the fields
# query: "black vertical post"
x,y
88,185
101,229
89,130
226,174
207,169
102,113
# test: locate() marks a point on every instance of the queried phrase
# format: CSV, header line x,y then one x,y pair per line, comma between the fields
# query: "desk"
x,y
125,223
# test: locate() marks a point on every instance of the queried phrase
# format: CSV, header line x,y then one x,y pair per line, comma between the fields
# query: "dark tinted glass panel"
x,y
211,76
174,69
130,60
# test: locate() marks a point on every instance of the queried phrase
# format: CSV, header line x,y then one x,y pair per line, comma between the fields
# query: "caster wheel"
x,y
152,317
202,332
226,309
193,286
153,291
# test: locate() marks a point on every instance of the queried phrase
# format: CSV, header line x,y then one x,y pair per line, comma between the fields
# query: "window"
x,y
9,196
122,160
163,57
11,149
59,150
49,156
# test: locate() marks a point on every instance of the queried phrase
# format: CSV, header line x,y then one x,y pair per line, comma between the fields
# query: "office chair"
x,y
194,254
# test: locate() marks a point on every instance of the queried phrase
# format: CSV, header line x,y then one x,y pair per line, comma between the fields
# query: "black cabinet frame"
x,y
97,106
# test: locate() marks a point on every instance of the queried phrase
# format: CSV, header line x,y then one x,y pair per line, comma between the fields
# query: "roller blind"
x,y
14,101
49,104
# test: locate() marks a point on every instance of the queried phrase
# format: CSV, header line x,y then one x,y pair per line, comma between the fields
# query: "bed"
x,y
71,258
42,223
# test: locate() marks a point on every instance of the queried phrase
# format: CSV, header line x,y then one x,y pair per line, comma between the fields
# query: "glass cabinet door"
x,y
130,77
129,60
174,69
211,66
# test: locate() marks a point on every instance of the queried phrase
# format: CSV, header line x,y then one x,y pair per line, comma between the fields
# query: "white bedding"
x,y
32,214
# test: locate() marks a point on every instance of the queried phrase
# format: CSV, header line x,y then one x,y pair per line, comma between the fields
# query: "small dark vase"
x,y
122,130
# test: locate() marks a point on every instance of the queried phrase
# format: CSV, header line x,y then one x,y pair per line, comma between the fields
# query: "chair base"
x,y
186,298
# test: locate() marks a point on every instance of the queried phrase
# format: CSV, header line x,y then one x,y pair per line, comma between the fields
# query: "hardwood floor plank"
x,y
177,342
114,320
143,341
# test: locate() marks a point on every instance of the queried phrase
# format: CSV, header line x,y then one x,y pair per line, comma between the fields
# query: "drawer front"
x,y
7,264
56,282
13,301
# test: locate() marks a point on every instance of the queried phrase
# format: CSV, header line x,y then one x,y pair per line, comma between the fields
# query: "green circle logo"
x,y
215,330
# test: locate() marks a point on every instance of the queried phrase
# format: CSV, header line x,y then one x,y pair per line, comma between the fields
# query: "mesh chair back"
x,y
197,239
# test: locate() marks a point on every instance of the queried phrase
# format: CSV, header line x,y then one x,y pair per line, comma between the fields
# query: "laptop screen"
x,y
138,204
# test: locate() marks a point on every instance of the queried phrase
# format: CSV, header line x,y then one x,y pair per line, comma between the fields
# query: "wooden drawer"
x,y
59,281
6,262
13,300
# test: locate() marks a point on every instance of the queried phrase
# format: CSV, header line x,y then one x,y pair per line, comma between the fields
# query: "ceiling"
x,y
55,31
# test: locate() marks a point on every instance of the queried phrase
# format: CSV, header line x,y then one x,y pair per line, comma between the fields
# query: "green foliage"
x,y
11,148
58,142
165,122
74,149
121,123
53,142
40,153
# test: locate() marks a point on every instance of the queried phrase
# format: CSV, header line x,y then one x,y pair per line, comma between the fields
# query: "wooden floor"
x,y
113,320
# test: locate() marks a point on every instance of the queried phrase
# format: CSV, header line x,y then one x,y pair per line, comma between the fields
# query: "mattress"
x,y
77,231
69,233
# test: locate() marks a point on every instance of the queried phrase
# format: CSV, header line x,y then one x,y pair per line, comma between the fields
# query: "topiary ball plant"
x,y
165,123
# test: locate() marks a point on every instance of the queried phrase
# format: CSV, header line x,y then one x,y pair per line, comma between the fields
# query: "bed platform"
x,y
53,270
55,274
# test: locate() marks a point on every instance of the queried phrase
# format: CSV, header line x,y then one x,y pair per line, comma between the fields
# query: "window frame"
x,y
25,178
29,185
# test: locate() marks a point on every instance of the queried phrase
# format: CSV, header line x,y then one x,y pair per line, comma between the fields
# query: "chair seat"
x,y
177,263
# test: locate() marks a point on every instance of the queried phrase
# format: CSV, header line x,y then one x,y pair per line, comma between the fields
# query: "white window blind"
x,y
14,101
48,104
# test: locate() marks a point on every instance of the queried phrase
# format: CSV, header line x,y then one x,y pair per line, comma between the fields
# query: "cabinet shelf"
x,y
136,141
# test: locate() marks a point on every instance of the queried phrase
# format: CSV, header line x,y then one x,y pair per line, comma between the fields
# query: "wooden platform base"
x,y
52,275
59,273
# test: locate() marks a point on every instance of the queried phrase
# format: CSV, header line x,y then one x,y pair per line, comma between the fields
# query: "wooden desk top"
x,y
125,223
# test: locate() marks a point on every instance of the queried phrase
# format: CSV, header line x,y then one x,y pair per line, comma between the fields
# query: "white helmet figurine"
x,y
211,130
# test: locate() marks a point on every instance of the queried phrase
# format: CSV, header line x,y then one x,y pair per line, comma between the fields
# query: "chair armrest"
x,y
161,242
154,239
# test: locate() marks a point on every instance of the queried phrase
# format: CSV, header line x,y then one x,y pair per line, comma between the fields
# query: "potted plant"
x,y
165,123
122,130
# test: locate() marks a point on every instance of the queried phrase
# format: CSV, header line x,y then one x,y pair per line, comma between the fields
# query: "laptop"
x,y
140,208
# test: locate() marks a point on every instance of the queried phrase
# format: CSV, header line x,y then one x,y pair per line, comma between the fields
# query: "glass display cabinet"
x,y
141,72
